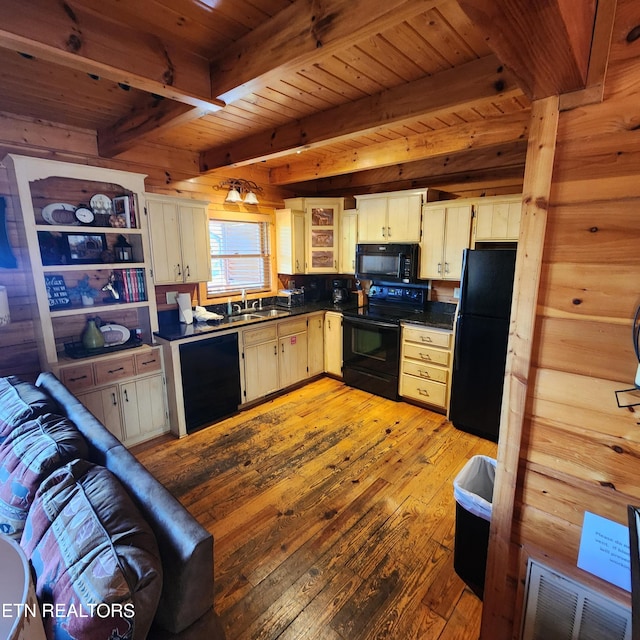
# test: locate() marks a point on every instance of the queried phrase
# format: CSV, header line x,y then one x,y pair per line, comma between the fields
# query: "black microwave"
x,y
387,262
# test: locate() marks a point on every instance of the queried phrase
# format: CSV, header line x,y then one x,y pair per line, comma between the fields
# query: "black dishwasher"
x,y
210,379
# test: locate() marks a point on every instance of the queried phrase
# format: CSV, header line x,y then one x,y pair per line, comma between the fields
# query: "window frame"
x,y
240,216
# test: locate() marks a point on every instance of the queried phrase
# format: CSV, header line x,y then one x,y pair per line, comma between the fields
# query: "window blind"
x,y
240,257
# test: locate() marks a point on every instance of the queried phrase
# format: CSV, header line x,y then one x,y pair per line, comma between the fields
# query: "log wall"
x,y
579,450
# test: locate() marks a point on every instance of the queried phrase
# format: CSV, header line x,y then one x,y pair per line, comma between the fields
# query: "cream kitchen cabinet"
x,y
315,344
125,391
446,230
348,241
333,343
260,349
497,219
292,351
321,232
390,217
425,365
180,246
290,241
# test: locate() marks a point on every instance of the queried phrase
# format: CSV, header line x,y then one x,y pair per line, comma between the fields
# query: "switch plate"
x,y
171,297
456,292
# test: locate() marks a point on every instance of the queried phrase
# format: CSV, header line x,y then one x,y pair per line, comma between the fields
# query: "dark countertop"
x,y
437,315
172,329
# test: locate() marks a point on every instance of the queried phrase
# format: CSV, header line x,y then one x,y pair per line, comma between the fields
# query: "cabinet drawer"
x,y
115,369
431,337
423,390
77,377
149,361
289,327
426,371
262,334
426,354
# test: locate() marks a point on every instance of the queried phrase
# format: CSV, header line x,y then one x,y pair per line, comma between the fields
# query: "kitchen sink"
x,y
244,317
272,313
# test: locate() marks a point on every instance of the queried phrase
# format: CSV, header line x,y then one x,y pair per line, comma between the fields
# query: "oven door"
x,y
371,355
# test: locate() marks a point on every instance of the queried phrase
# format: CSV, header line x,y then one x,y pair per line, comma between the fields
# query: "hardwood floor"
x,y
333,516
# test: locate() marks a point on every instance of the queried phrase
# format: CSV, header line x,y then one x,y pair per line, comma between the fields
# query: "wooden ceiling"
x,y
333,96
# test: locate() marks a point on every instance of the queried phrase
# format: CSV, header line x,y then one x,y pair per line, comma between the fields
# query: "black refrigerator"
x,y
482,331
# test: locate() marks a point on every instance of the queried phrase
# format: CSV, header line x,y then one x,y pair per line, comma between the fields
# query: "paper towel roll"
x,y
185,311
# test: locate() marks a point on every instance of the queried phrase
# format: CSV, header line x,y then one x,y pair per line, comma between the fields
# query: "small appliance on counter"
x,y
339,292
290,298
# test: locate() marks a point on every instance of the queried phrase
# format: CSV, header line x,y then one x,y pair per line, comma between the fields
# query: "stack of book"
x,y
132,284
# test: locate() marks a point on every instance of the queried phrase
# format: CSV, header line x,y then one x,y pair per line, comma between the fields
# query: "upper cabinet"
x,y
390,217
446,233
86,232
497,219
179,240
321,231
290,241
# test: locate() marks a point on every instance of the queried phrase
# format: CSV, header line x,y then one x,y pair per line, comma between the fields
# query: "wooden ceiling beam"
x,y
472,85
508,158
545,43
143,123
71,36
299,35
484,133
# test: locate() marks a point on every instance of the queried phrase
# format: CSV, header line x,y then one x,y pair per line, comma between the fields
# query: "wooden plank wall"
x,y
580,450
167,172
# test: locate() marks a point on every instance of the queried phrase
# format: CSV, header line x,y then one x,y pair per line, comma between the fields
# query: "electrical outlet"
x,y
456,292
171,297
637,380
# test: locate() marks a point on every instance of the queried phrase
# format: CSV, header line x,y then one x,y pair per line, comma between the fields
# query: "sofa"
x,y
113,554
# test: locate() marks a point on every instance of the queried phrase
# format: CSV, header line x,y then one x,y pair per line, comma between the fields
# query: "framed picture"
x,y
86,248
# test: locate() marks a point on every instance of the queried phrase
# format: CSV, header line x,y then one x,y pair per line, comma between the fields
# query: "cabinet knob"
x,y
114,402
383,232
425,356
178,270
146,362
388,232
439,267
446,267
187,272
423,392
78,378
423,374
116,370
126,396
426,339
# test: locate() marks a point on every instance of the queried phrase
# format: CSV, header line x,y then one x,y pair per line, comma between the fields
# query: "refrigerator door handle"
x,y
457,346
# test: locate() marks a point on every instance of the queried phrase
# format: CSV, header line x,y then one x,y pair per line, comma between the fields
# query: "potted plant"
x,y
85,291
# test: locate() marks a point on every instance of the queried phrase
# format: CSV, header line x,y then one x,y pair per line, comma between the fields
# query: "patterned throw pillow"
x,y
28,455
96,562
21,401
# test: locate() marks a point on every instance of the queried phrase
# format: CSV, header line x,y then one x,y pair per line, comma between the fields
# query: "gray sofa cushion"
x,y
21,401
30,452
95,558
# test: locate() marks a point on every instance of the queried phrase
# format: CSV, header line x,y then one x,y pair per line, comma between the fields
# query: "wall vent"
x,y
558,607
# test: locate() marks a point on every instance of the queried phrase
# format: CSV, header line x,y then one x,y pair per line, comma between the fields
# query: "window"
x,y
240,257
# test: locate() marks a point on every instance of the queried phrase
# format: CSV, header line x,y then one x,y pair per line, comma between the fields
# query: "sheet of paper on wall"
x,y
604,550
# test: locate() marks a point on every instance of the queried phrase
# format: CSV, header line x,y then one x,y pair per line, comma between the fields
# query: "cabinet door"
x,y
333,343
498,220
372,220
105,405
165,244
432,244
143,408
292,363
290,241
260,370
457,237
403,218
322,228
315,339
194,239
348,241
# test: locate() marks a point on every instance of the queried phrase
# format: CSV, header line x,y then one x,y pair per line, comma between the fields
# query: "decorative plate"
x,y
101,203
60,213
114,334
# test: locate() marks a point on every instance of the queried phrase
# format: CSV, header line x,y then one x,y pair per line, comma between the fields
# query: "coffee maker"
x,y
339,292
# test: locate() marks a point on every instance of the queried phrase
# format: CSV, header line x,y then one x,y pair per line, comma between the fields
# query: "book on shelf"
x,y
132,284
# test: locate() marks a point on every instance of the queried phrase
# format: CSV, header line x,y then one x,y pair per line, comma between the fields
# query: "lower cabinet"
x,y
126,392
425,365
275,356
315,344
333,343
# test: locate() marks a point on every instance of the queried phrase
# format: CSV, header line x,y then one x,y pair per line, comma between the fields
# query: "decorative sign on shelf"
x,y
57,291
